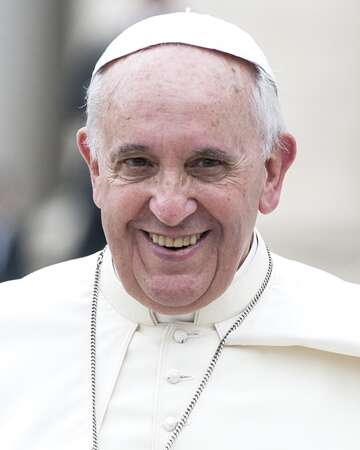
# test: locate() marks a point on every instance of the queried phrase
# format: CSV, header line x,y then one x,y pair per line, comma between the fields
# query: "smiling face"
x,y
179,177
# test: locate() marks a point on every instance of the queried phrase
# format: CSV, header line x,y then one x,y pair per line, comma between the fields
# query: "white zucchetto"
x,y
189,28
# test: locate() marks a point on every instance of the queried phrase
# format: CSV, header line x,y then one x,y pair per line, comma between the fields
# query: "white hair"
x,y
94,100
264,103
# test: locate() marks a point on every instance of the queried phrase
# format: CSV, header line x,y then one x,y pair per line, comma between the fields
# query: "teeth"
x,y
166,241
178,242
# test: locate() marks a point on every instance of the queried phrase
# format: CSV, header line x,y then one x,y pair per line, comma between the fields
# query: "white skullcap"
x,y
189,28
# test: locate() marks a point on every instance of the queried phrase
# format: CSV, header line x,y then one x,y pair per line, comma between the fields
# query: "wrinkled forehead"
x,y
175,88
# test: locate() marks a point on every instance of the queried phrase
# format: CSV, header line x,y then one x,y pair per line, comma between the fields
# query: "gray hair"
x,y
264,103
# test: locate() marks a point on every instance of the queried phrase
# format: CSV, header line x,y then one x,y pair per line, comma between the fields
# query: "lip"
x,y
180,254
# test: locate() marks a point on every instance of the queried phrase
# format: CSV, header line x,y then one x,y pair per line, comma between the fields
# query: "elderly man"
x,y
185,331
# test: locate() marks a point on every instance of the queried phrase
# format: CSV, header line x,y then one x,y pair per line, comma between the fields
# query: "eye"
x,y
137,167
207,169
207,162
137,162
204,163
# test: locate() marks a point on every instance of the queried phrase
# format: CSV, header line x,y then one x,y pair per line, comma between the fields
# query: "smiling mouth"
x,y
177,243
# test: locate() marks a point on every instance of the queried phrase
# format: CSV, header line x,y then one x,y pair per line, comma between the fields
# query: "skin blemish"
x,y
215,122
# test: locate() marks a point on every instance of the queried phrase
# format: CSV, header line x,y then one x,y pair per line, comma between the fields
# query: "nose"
x,y
171,204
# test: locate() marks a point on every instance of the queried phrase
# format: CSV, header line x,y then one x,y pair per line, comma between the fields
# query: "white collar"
x,y
244,286
165,318
301,306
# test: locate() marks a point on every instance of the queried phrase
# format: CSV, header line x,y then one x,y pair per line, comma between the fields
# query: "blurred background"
x,y
48,49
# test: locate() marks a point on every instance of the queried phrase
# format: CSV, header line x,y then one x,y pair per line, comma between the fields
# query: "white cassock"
x,y
288,378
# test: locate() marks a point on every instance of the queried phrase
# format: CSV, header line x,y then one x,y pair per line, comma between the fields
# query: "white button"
x,y
180,336
170,423
173,376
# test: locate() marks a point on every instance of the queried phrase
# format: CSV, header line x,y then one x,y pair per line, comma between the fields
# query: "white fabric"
x,y
199,30
165,318
288,378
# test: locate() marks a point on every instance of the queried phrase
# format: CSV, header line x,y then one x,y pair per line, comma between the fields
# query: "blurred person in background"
x,y
185,331
29,239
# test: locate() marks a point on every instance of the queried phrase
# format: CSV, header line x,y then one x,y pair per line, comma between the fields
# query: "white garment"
x,y
288,379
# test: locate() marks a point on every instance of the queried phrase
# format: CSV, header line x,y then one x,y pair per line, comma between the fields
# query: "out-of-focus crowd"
x,y
61,221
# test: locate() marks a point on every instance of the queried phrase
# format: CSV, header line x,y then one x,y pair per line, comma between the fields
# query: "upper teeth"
x,y
182,241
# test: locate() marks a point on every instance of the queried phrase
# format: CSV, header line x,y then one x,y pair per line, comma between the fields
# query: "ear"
x,y
91,162
276,167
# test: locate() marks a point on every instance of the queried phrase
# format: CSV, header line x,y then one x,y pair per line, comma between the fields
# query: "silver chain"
x,y
93,346
181,423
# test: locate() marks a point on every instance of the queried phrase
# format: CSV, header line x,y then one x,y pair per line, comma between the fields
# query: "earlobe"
x,y
276,167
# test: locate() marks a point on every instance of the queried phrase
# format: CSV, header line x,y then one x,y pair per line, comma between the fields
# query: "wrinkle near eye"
x,y
234,172
130,163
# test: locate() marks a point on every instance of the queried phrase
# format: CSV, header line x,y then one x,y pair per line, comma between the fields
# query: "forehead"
x,y
177,69
177,87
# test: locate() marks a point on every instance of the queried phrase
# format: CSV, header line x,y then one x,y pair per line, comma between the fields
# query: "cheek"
x,y
232,205
121,205
235,209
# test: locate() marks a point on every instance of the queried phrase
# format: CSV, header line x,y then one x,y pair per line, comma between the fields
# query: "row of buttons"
x,y
180,336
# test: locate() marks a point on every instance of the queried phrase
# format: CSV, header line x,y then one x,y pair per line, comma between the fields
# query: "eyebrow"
x,y
211,152
128,149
